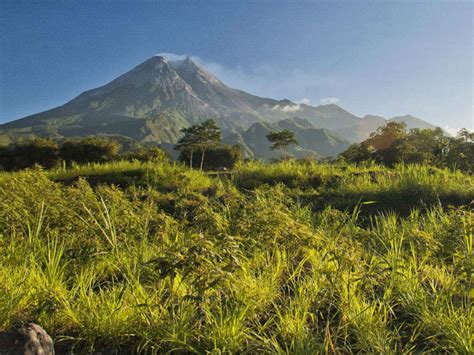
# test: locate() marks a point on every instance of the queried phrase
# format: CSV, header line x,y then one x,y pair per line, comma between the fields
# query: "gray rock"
x,y
29,339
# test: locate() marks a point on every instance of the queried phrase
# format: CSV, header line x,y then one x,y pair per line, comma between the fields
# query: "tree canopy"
x,y
199,138
393,143
282,140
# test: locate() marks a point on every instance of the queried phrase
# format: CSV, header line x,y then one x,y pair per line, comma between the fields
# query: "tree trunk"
x,y
202,158
191,160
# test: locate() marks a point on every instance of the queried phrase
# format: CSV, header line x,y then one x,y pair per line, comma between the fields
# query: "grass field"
x,y
286,258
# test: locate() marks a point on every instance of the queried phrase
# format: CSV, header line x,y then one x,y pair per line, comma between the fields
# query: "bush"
x,y
223,156
145,154
38,151
89,150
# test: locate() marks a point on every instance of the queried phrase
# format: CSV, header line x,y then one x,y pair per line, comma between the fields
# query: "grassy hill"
x,y
276,258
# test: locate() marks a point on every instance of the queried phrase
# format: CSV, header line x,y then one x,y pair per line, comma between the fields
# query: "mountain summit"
x,y
151,102
156,99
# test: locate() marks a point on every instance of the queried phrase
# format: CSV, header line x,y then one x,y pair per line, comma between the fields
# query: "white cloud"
x,y
286,108
290,108
269,80
304,101
329,100
174,57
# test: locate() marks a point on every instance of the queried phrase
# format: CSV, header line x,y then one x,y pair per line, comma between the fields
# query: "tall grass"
x,y
285,258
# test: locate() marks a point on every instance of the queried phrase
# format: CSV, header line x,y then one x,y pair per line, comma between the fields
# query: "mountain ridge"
x,y
312,141
153,101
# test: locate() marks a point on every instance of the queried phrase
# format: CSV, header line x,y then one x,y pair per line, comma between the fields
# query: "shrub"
x,y
223,156
89,150
145,154
38,151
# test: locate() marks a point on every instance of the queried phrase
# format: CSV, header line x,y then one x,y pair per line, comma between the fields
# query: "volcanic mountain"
x,y
152,102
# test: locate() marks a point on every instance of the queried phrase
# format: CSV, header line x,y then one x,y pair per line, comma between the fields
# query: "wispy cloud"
x,y
329,100
286,108
304,101
271,80
173,56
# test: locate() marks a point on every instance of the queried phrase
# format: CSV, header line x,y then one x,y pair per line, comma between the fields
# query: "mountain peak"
x,y
167,92
157,58
189,60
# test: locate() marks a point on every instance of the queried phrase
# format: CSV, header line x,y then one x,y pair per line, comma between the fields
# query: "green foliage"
x,y
460,151
145,154
49,154
282,140
344,187
290,258
89,150
222,156
199,138
393,144
38,151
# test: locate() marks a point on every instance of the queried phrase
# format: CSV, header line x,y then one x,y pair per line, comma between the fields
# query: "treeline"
x,y
394,143
49,153
201,146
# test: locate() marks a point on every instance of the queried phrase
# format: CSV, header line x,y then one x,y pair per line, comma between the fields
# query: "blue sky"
x,y
370,57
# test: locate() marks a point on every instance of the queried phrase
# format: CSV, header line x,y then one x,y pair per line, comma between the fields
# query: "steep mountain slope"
x,y
361,129
315,142
413,122
152,102
323,116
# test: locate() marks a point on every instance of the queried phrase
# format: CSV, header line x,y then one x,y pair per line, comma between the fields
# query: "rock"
x,y
29,339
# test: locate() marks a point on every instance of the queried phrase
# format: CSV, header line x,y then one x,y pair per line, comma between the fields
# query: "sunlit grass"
x,y
284,258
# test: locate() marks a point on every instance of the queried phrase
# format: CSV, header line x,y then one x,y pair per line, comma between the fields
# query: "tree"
x,y
384,136
392,144
200,138
188,143
282,140
420,146
209,137
465,135
460,151
383,143
357,153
